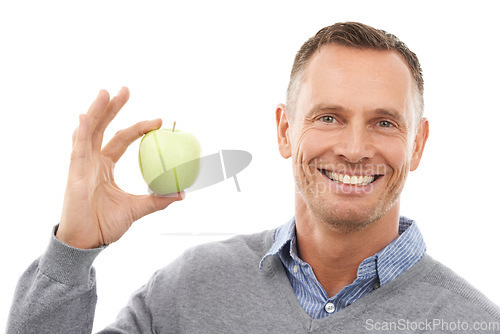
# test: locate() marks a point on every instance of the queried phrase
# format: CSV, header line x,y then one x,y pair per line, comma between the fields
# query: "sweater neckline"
x,y
357,309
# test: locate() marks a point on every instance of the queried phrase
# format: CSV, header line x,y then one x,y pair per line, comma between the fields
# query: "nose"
x,y
354,144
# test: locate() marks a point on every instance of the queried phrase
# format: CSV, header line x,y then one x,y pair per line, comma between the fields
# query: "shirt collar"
x,y
282,236
389,263
402,253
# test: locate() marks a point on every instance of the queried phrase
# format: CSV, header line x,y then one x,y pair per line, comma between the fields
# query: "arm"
x,y
57,293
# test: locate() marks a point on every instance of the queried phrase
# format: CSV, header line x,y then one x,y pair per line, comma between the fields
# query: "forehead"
x,y
359,79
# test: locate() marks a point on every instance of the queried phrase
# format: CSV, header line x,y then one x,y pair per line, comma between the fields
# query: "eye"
x,y
327,119
385,124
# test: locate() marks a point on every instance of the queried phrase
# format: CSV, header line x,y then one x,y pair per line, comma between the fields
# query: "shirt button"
x,y
376,285
295,269
329,308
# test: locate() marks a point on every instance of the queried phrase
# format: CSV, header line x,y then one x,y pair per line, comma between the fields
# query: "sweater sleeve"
x,y
57,293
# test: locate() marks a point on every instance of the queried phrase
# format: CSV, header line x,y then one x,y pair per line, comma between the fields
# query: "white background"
x,y
219,69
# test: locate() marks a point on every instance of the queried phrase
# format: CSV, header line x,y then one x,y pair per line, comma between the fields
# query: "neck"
x,y
335,256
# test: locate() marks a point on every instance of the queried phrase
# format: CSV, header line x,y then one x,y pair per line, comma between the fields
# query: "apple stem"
x,y
173,128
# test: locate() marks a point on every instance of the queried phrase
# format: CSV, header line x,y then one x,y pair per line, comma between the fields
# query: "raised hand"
x,y
96,211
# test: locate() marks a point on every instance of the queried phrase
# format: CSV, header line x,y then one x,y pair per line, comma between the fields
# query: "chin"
x,y
349,217
348,221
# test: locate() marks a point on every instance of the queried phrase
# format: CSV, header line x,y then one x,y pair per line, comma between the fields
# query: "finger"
x,y
123,138
97,108
108,114
81,146
147,204
75,133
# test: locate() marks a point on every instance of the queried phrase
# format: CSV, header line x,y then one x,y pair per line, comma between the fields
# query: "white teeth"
x,y
352,180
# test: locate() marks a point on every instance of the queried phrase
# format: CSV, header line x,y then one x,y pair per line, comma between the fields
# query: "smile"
x,y
354,180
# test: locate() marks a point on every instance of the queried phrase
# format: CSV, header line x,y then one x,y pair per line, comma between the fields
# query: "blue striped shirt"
x,y
373,272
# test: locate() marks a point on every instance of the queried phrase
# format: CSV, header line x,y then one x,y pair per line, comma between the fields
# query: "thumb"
x,y
147,204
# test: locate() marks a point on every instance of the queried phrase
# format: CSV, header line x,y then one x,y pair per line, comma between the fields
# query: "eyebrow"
x,y
393,114
316,109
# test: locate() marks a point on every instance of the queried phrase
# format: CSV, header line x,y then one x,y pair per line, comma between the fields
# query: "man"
x,y
346,263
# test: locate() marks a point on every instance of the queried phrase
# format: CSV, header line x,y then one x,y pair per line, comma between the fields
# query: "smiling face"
x,y
353,137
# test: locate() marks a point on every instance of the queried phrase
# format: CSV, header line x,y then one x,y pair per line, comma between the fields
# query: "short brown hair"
x,y
356,35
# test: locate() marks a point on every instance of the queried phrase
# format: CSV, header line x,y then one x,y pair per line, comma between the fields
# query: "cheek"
x,y
398,157
309,144
306,146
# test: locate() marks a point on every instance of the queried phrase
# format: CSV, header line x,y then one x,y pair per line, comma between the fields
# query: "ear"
x,y
283,125
420,140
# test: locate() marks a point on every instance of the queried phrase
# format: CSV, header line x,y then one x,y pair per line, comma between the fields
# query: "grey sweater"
x,y
219,288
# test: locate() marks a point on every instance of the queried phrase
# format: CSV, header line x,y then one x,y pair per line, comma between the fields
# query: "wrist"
x,y
67,264
61,235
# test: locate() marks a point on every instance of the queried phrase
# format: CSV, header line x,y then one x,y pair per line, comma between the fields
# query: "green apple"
x,y
169,160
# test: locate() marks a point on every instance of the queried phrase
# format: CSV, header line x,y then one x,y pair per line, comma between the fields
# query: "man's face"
x,y
352,136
